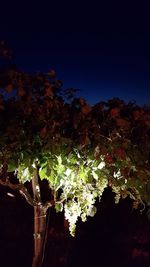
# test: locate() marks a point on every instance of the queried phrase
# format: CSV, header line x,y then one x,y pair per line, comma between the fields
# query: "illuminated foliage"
x,y
79,149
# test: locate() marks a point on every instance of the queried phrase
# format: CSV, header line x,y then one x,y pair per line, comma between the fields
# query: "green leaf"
x,y
95,175
24,173
73,159
43,173
83,175
11,166
58,207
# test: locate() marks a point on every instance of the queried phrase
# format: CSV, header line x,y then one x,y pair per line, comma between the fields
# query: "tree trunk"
x,y
39,223
39,235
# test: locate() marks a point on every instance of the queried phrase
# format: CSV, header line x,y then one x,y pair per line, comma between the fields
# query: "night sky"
x,y
103,49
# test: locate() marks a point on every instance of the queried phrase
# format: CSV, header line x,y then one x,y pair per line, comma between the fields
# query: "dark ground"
x,y
116,237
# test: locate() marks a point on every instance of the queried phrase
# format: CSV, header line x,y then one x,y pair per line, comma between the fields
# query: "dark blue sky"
x,y
102,50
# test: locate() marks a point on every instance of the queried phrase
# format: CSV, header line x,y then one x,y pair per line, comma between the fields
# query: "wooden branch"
x,y
105,137
36,187
9,184
22,189
24,192
60,201
48,204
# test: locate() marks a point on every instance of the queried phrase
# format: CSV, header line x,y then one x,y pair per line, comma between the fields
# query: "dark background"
x,y
116,236
99,47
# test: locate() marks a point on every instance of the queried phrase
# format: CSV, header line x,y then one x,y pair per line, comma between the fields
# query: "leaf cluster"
x,y
80,149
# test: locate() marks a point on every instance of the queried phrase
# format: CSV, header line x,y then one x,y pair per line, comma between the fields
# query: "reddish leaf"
x,y
123,123
43,132
86,109
82,101
114,112
109,159
125,172
49,91
119,152
137,114
146,119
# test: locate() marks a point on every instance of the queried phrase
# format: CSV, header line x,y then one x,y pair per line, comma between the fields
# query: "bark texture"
x,y
39,223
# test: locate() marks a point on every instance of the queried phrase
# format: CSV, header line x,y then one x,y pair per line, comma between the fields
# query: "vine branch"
x,y
24,192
